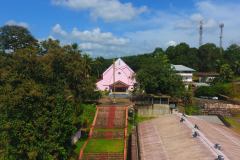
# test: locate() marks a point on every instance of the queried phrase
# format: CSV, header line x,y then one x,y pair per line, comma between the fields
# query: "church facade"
x,y
119,77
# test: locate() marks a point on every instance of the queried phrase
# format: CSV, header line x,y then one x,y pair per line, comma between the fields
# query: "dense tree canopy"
x,y
232,57
226,73
157,76
184,55
16,37
41,92
209,58
206,58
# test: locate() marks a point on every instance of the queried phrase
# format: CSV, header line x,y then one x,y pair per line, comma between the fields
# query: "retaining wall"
x,y
153,110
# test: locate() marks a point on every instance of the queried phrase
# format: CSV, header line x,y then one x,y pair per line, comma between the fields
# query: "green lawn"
x,y
105,145
235,122
79,145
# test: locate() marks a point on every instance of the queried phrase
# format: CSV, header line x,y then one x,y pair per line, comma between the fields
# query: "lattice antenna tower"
x,y
221,36
200,33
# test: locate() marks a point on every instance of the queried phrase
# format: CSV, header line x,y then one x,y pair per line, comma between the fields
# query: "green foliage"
x,y
188,97
79,145
192,110
105,145
205,59
16,37
41,97
214,90
232,57
87,115
234,122
209,58
99,65
226,73
205,91
157,76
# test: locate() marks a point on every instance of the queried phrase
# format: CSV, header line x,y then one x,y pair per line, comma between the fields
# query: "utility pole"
x,y
221,37
200,33
114,100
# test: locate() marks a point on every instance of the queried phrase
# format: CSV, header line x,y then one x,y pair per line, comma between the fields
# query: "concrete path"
x,y
165,138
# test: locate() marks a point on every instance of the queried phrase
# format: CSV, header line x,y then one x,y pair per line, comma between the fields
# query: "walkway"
x,y
165,138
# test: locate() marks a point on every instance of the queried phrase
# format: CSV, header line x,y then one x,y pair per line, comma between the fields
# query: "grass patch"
x,y
234,122
79,145
105,145
88,114
137,119
140,119
129,129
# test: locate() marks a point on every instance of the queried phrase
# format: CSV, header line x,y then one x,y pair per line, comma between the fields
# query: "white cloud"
x,y
98,37
109,10
171,43
193,20
90,46
57,29
197,17
93,36
15,23
49,37
161,29
92,41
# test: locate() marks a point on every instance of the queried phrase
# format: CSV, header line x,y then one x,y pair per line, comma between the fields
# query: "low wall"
x,y
103,156
214,107
153,110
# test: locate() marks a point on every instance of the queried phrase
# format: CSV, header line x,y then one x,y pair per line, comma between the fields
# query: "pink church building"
x,y
122,78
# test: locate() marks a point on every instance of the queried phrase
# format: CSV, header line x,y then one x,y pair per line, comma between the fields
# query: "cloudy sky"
x,y
113,28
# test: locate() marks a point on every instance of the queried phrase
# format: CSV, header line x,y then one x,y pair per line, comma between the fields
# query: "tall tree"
x,y
16,37
39,97
157,76
232,57
226,73
209,58
183,54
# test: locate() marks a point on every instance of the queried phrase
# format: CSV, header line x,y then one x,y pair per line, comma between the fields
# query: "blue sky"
x,y
113,28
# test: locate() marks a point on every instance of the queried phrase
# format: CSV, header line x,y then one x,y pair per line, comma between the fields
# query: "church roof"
x,y
119,63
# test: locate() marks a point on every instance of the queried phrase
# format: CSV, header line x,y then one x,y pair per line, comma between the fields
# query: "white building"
x,y
185,72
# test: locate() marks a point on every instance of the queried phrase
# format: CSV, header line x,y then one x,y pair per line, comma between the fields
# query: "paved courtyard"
x,y
165,138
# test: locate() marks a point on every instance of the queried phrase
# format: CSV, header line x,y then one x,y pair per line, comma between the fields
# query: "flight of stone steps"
x,y
110,124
